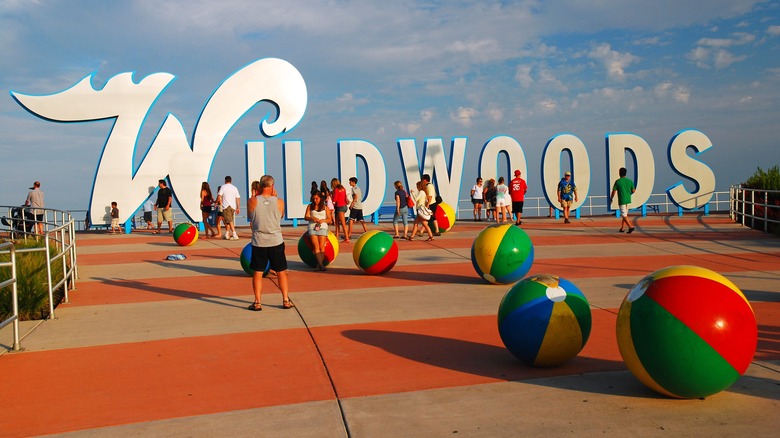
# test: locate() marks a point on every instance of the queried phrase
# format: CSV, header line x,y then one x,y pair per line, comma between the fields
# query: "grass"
x,y
31,283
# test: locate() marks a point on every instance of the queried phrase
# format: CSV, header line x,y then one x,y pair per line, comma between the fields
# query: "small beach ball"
x,y
686,332
306,250
544,320
445,217
246,260
375,252
502,254
185,234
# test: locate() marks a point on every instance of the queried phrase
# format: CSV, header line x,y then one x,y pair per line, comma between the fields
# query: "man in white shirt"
x,y
230,200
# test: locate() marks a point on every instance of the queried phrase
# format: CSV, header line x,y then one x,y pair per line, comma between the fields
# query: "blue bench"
x,y
388,210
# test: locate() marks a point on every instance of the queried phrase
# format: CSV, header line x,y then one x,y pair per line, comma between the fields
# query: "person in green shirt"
x,y
623,187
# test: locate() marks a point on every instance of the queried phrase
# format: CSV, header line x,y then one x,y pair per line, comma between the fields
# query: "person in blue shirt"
x,y
567,194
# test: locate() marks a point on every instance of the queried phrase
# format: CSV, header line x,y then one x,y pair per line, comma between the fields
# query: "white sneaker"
x,y
234,237
226,236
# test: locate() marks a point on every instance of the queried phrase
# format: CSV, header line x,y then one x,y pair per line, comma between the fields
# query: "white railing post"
x,y
14,318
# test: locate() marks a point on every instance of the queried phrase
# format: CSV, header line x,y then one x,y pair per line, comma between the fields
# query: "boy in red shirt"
x,y
517,190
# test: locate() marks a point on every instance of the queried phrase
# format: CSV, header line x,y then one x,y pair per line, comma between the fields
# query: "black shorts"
x,y
433,207
476,201
517,206
148,216
262,255
356,215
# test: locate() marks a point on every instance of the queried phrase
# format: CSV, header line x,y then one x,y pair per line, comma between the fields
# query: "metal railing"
x,y
599,205
14,318
59,243
754,208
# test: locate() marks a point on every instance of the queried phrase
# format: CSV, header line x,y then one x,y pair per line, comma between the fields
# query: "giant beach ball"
x,y
246,260
185,234
445,217
306,250
502,254
686,332
544,320
375,252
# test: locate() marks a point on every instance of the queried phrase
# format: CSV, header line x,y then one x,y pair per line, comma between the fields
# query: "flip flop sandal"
x,y
256,307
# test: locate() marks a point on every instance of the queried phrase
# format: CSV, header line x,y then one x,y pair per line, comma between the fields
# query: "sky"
x,y
381,71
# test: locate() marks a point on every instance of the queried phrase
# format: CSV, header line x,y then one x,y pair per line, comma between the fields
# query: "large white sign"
x,y
276,81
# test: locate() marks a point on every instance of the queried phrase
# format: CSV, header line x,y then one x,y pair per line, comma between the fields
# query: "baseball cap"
x,y
567,174
517,173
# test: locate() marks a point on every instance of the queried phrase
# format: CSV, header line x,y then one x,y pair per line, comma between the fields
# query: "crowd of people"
x,y
338,207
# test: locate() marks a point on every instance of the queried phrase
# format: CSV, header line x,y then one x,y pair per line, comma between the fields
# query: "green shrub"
x,y
31,282
766,180
769,180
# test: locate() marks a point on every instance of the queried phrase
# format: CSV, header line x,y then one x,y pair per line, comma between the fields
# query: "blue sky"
x,y
381,71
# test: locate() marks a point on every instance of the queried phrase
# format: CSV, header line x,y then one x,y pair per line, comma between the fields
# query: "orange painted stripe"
x,y
384,358
65,390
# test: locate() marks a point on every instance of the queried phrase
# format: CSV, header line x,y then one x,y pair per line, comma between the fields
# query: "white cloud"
x,y
523,76
614,62
773,30
679,93
547,105
738,40
495,114
699,56
464,116
348,102
409,128
724,58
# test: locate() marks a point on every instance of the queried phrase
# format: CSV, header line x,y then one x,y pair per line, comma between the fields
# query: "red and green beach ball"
x,y
185,234
686,332
502,254
306,250
246,260
445,217
544,320
375,252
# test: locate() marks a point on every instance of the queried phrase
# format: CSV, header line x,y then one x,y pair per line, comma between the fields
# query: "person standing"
x,y
206,206
477,199
423,212
355,208
231,206
489,196
567,192
339,195
35,202
401,210
148,209
502,201
265,214
163,206
115,219
328,197
624,188
433,203
517,190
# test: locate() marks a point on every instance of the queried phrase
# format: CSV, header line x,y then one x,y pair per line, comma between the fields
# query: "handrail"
x,y
740,204
14,296
59,240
